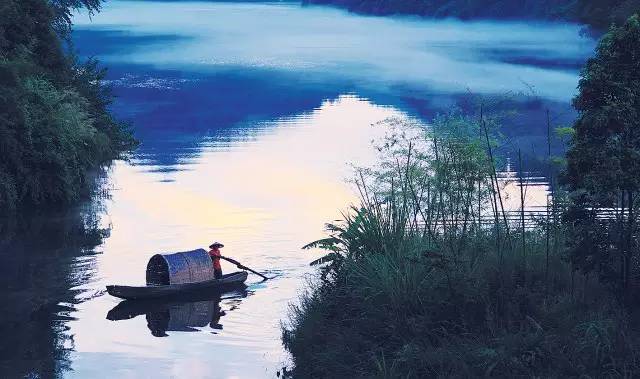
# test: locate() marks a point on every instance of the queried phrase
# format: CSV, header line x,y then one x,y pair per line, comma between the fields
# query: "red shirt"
x,y
215,256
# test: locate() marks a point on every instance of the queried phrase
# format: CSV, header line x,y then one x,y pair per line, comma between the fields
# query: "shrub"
x,y
421,281
55,126
603,171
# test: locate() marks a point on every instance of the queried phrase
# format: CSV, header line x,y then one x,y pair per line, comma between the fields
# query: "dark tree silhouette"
x,y
64,8
603,170
54,122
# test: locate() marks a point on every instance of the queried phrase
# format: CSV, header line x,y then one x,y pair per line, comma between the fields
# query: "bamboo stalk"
x,y
548,225
524,251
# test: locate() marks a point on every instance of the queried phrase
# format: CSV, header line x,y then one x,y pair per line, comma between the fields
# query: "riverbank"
x,y
383,317
597,14
443,321
55,123
422,281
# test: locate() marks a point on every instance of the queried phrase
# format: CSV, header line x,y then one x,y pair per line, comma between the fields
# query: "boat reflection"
x,y
185,314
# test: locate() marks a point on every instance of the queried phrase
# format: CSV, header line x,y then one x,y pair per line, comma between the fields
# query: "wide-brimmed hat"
x,y
216,245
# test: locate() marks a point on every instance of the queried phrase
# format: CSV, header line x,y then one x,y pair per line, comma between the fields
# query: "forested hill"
x,y
597,13
54,121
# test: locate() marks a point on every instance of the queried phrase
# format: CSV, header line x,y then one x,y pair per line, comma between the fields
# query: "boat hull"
x,y
227,282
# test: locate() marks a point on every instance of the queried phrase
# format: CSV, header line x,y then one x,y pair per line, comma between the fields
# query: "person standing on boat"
x,y
214,253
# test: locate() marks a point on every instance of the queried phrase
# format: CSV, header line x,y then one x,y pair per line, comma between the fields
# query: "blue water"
x,y
193,67
249,115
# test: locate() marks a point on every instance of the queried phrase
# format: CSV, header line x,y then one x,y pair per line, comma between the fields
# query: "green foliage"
x,y
427,279
54,119
63,11
385,319
603,163
26,33
597,13
602,13
565,131
605,156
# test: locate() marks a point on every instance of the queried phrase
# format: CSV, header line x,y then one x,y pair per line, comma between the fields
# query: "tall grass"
x,y
428,277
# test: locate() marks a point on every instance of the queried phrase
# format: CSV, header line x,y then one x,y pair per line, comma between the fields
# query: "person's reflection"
x,y
185,317
158,323
215,321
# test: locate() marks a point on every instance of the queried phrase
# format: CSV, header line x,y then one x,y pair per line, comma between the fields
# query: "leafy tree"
x,y
64,8
603,170
54,119
601,13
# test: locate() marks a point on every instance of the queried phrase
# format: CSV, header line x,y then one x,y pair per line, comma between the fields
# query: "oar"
x,y
243,267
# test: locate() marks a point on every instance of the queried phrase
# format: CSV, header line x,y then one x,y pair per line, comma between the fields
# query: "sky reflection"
x,y
264,195
325,43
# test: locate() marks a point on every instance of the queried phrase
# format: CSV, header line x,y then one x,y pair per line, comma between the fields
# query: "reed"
x,y
425,279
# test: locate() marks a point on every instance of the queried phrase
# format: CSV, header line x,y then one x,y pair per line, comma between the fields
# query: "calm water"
x,y
249,114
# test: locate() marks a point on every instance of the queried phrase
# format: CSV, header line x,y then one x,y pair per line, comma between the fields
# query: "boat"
x,y
227,282
170,275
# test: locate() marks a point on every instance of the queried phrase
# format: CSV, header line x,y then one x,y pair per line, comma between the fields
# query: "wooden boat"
x,y
179,273
153,291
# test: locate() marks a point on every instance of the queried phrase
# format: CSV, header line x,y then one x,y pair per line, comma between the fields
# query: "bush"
x,y
425,278
603,162
55,126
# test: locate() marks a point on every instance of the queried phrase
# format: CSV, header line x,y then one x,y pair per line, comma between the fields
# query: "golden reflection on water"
x,y
264,197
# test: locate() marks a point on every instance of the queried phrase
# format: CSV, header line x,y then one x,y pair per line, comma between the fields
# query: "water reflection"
x,y
47,262
188,71
184,315
322,42
264,194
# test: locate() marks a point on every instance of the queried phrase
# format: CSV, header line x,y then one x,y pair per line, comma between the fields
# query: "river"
x,y
250,115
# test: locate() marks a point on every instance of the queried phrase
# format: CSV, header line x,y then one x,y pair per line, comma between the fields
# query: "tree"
x,y
63,10
601,13
603,170
55,124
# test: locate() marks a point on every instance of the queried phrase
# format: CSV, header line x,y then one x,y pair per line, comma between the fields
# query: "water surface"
x,y
249,115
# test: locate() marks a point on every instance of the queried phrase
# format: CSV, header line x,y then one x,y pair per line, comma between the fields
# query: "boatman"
x,y
214,253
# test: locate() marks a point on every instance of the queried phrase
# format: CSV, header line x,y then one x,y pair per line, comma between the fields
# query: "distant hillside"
x,y
596,13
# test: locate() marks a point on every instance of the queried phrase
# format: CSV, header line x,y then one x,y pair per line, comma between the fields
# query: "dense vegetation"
x,y
430,275
597,13
54,122
604,161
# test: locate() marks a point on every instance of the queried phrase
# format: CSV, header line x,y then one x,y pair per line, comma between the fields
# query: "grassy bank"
x,y
55,125
596,13
427,277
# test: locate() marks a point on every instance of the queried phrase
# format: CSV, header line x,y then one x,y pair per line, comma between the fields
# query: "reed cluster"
x,y
430,276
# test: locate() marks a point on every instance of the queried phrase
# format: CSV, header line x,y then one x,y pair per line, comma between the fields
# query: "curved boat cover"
x,y
178,268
